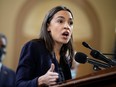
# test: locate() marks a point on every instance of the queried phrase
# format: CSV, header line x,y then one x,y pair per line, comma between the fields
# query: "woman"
x,y
47,60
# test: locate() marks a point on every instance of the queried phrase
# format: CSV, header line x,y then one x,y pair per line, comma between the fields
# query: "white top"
x,y
0,66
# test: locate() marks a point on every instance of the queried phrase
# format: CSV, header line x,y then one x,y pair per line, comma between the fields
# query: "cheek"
x,y
54,32
54,29
71,29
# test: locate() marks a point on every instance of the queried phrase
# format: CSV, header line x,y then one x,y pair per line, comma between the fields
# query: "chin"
x,y
65,42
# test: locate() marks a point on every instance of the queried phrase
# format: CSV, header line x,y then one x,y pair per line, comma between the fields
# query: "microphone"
x,y
100,56
86,45
82,58
96,54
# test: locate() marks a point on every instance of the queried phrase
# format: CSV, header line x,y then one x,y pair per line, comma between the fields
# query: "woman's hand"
x,y
49,78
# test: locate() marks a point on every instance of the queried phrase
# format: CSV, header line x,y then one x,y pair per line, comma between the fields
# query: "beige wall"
x,y
106,10
8,12
10,15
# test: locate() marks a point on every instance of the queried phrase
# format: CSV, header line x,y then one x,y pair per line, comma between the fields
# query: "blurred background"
x,y
94,23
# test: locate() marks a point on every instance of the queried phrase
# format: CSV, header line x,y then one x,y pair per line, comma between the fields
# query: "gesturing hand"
x,y
49,78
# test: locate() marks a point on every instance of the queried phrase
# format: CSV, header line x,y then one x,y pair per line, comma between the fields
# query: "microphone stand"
x,y
96,68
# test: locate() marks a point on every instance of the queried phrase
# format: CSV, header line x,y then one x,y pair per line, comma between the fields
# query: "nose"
x,y
67,26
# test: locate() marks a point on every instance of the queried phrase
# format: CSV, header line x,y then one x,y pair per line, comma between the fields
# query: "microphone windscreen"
x,y
81,57
85,44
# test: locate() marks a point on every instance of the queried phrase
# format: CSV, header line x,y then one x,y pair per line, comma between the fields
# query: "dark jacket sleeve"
x,y
25,73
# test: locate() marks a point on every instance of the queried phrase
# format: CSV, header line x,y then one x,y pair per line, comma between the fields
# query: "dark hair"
x,y
45,35
3,36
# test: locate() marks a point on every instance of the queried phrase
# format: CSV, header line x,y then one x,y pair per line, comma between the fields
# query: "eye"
x,y
3,46
60,21
71,23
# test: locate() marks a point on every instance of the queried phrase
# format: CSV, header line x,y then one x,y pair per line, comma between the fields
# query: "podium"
x,y
102,78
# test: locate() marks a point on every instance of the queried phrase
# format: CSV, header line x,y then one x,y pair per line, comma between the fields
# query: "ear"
x,y
48,29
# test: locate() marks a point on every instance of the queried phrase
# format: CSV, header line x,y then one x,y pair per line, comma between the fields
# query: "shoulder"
x,y
34,43
7,70
34,46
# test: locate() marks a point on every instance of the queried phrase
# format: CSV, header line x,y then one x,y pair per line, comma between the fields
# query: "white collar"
x,y
0,66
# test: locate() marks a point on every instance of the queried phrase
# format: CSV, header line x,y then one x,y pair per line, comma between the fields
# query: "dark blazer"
x,y
35,61
7,77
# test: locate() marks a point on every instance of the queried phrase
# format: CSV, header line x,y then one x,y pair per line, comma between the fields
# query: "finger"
x,y
52,68
52,83
53,80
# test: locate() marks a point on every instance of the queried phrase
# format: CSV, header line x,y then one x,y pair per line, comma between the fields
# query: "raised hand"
x,y
49,78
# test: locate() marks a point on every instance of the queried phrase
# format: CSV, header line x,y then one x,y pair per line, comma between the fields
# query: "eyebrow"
x,y
63,17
